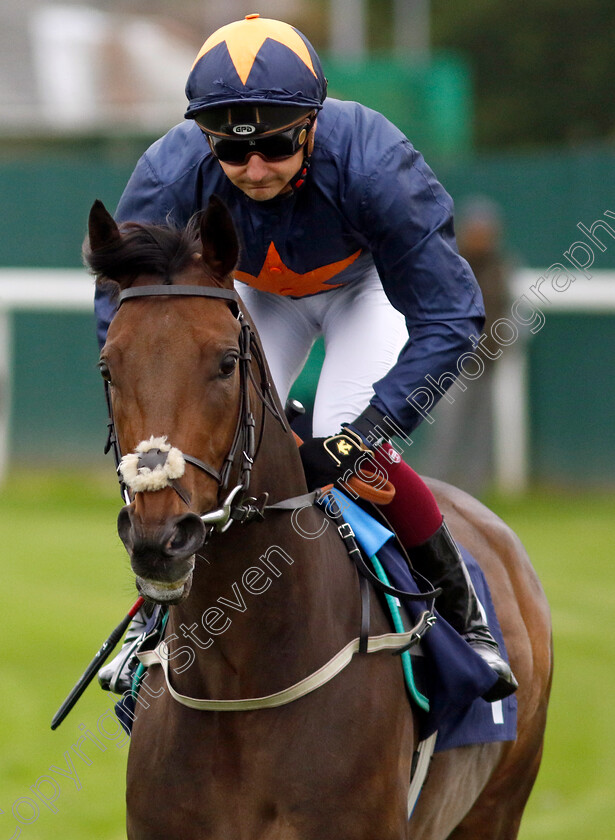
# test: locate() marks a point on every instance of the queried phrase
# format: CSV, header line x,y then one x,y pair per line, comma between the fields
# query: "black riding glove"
x,y
370,425
327,459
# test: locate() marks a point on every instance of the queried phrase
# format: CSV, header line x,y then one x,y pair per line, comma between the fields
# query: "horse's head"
x,y
172,367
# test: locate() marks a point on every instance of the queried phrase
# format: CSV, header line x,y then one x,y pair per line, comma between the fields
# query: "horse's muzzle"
x,y
162,556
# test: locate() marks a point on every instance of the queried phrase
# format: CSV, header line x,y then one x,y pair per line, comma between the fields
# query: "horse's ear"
x,y
219,240
102,228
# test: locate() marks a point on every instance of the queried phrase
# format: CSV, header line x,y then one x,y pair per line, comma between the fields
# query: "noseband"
x,y
235,506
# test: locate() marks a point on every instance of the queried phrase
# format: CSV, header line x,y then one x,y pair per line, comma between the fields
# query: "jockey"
x,y
345,233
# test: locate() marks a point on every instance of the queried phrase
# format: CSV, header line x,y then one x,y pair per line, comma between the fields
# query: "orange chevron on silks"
x,y
277,278
244,42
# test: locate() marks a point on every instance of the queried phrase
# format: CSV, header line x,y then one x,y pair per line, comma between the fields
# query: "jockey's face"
x,y
262,179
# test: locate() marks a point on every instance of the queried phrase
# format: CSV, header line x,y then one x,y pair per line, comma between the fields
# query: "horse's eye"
x,y
104,371
228,365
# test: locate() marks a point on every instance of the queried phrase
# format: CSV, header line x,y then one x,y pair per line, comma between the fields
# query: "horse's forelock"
x,y
143,249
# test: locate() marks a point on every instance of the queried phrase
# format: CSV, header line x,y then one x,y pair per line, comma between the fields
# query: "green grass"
x,y
570,540
67,583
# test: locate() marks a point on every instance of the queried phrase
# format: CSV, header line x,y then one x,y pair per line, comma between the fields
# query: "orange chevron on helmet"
x,y
244,39
256,61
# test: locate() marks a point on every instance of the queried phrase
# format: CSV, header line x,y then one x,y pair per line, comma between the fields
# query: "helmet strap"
x,y
299,179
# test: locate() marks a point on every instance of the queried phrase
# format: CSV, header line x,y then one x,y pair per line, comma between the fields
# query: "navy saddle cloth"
x,y
448,672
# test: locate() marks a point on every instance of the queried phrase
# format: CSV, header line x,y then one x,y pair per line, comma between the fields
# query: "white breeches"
x,y
363,336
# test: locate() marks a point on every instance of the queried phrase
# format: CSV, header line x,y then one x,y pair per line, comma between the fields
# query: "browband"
x,y
190,291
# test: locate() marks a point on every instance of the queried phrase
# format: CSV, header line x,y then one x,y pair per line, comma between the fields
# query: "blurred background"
x,y
512,106
512,109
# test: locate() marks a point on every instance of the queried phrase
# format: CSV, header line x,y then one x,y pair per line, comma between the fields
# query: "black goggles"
x,y
278,146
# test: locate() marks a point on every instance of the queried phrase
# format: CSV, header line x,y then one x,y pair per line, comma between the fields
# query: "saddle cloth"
x,y
446,669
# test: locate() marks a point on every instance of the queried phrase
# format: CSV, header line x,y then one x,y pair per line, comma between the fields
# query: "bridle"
x,y
236,506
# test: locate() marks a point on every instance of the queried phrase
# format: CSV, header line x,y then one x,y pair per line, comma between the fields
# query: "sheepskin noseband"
x,y
152,466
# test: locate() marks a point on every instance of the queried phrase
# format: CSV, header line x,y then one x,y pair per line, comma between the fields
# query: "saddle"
x,y
443,669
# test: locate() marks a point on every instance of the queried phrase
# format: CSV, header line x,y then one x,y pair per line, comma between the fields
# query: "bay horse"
x,y
258,606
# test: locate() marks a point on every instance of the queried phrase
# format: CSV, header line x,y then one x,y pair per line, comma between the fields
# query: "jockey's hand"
x,y
325,460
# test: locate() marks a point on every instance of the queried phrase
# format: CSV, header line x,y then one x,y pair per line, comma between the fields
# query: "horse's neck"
x,y
277,467
285,584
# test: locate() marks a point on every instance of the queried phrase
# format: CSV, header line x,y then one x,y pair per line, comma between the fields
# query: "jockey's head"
x,y
255,90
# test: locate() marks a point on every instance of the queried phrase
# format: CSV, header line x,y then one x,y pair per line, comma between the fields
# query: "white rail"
x,y
33,289
73,290
46,288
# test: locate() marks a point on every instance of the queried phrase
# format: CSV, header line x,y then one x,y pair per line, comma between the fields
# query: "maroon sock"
x,y
414,512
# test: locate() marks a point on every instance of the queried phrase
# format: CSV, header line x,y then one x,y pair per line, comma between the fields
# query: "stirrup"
x,y
117,675
488,649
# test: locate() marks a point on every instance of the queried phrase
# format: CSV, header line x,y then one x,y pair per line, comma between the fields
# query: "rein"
x,y
155,453
150,457
232,509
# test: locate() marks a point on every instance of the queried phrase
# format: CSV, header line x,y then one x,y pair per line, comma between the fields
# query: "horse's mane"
x,y
161,250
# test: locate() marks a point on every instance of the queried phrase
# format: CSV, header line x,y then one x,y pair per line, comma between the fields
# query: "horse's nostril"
x,y
180,536
189,534
174,539
178,540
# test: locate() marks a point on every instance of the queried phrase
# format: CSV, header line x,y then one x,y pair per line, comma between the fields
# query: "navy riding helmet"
x,y
254,78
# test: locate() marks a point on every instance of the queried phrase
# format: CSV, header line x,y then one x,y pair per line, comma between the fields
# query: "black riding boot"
x,y
440,561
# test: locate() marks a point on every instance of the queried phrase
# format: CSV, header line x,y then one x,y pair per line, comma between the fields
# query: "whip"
x,y
96,663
